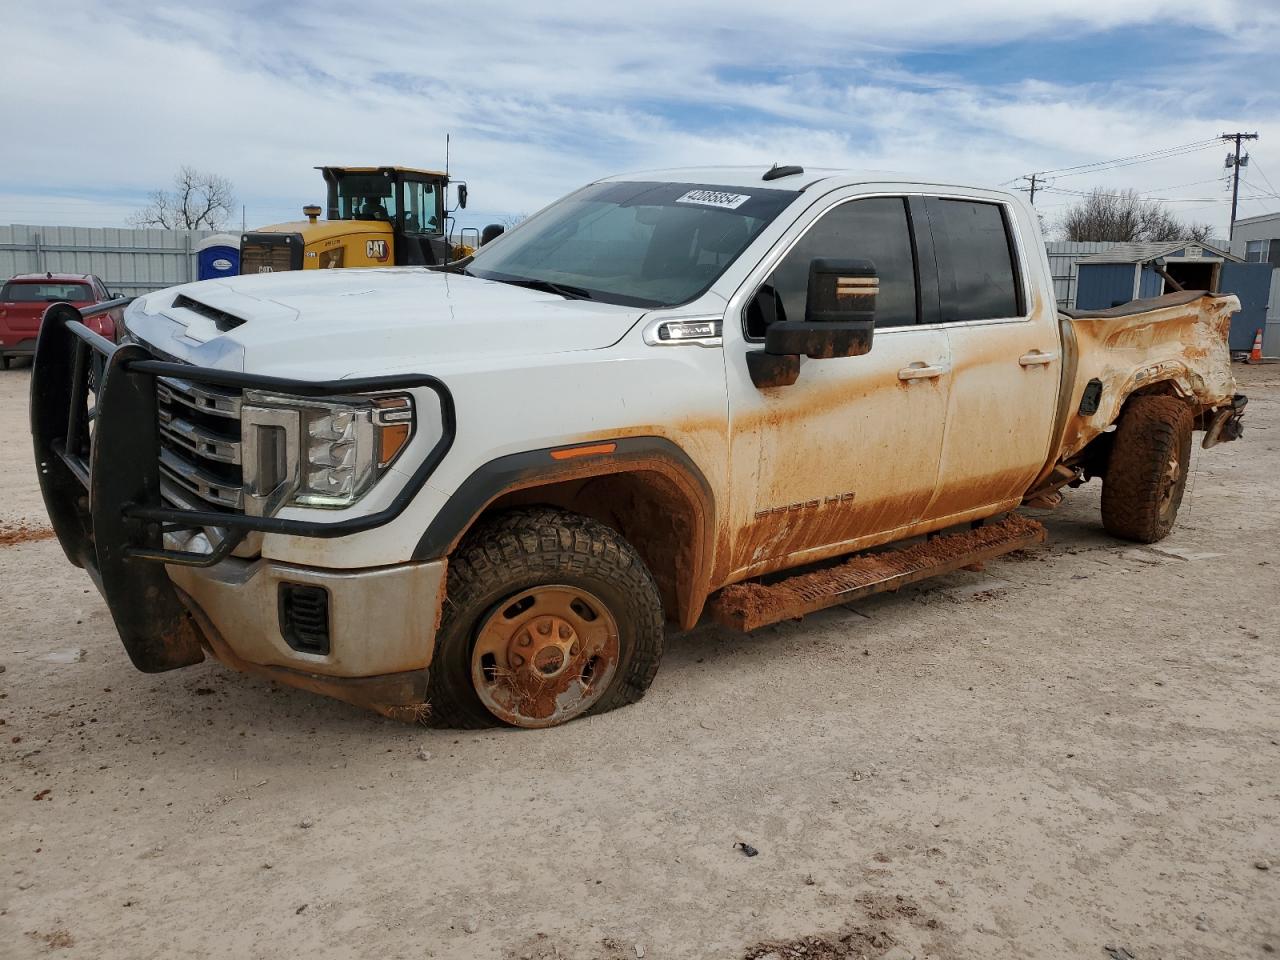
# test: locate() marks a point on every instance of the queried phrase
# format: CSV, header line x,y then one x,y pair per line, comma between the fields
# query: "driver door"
x,y
848,455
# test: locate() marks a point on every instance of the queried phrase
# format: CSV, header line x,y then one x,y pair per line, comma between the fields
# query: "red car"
x,y
24,299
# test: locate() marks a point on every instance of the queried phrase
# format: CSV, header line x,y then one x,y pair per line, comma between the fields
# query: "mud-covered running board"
x,y
747,606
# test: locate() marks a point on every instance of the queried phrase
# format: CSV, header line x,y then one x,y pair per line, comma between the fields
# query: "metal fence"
x,y
129,262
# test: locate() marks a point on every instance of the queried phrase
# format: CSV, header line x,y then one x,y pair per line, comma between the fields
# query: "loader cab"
x,y
410,202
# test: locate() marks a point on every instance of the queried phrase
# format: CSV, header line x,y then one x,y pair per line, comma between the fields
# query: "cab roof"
x,y
415,170
754,176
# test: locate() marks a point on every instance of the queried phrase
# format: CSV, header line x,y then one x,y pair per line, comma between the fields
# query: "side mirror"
x,y
839,321
491,232
462,196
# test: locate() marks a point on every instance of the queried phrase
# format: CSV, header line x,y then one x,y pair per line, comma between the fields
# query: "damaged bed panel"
x,y
1175,343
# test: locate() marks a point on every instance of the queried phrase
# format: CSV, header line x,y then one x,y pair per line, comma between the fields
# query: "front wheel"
x,y
549,616
1147,472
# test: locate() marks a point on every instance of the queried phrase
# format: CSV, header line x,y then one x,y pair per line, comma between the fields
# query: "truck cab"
x,y
376,217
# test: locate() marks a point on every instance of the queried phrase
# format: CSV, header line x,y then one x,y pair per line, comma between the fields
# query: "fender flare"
x,y
599,458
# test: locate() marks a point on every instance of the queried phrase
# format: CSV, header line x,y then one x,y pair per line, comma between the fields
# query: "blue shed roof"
x,y
1142,252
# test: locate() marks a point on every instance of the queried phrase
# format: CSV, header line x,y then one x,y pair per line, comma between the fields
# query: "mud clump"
x,y
54,940
854,942
13,536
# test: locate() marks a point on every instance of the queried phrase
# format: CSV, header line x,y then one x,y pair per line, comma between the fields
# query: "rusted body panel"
x,y
1177,345
747,606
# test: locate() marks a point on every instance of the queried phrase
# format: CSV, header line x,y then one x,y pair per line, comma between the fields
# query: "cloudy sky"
x,y
102,102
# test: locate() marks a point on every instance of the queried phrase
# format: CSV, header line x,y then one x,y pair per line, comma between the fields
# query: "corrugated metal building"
x,y
129,261
1257,240
1063,255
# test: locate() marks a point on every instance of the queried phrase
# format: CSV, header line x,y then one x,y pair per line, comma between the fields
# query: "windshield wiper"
x,y
548,286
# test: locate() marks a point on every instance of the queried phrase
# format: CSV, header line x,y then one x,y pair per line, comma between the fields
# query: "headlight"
x,y
318,453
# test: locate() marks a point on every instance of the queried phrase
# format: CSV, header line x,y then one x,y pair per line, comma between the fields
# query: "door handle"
x,y
920,372
1037,359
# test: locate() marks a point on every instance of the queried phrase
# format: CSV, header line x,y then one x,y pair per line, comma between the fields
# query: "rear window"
x,y
46,292
977,279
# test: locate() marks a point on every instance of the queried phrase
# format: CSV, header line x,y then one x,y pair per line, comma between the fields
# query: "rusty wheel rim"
x,y
1169,481
545,655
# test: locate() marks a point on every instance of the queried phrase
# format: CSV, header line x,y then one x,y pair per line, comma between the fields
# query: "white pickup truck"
x,y
476,494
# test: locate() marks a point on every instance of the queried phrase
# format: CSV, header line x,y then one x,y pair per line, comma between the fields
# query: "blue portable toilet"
x,y
218,256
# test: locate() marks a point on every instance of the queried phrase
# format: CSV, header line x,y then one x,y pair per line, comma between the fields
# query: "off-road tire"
x,y
1139,500
514,551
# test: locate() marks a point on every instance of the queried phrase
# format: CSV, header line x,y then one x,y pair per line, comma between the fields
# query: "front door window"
x,y
421,201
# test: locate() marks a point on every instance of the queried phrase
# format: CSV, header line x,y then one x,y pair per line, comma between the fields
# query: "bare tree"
x,y
511,219
1122,216
198,200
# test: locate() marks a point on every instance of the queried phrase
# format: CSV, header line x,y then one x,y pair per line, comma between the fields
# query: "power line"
x,y
1150,156
1140,196
1262,173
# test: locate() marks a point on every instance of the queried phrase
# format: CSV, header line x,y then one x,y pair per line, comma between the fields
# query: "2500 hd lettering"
x,y
478,493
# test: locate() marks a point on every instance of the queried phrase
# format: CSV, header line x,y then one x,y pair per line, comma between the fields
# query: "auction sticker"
x,y
714,198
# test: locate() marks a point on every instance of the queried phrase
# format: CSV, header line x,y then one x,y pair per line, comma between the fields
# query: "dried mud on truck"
x,y
733,392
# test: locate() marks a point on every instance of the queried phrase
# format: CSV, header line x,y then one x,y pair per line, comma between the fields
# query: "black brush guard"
x,y
95,427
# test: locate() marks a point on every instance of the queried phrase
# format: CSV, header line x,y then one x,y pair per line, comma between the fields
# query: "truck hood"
x,y
335,323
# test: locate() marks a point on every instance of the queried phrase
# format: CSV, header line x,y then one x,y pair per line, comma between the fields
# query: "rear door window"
x,y
46,292
876,229
977,270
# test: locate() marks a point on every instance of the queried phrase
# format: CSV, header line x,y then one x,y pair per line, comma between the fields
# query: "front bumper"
x,y
381,627
378,621
94,424
16,346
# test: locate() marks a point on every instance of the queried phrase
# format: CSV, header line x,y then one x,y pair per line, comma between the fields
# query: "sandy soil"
x,y
1074,750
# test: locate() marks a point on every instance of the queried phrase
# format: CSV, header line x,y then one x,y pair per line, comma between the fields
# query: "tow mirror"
x,y
839,321
462,196
492,232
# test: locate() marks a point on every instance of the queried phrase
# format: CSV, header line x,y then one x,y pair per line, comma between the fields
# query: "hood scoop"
x,y
222,321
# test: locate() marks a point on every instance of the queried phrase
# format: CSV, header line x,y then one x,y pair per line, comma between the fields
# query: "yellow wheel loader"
x,y
377,217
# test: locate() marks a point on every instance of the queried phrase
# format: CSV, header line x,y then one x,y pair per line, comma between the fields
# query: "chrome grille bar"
x,y
200,448
191,478
199,440
223,403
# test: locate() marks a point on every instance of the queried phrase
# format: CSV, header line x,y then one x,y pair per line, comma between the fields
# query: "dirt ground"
x,y
1072,754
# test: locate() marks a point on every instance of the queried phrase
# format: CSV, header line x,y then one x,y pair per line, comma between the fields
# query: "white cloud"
x,y
542,99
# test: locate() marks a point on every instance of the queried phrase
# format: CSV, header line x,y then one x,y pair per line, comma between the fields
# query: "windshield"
x,y
640,243
366,196
45,293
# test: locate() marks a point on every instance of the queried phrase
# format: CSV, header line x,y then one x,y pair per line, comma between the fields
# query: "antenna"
x,y
446,156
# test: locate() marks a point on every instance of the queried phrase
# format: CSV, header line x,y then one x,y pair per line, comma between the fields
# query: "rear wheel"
x,y
1147,471
549,616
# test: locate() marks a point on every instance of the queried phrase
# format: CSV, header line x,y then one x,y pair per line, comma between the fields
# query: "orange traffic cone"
x,y
1255,355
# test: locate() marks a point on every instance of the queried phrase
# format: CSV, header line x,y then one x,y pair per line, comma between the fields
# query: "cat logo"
x,y
375,249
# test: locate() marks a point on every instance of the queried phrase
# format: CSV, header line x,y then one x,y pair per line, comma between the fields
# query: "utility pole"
x,y
1234,163
1034,179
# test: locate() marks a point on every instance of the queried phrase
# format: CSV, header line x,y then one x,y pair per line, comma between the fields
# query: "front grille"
x,y
304,617
200,445
270,252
